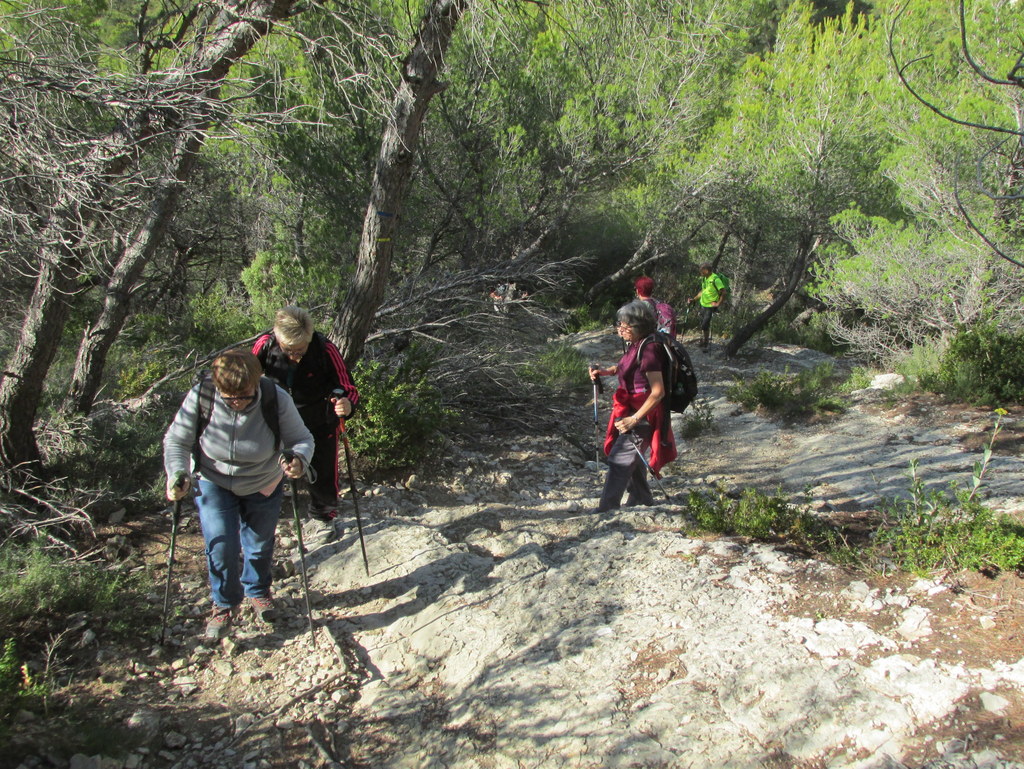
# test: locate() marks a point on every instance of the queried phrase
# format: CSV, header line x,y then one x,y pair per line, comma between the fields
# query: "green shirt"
x,y
711,289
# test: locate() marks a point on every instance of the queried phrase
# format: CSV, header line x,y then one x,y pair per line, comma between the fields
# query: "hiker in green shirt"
x,y
713,292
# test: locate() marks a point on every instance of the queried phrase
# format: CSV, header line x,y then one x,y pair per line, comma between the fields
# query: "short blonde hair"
x,y
236,372
293,326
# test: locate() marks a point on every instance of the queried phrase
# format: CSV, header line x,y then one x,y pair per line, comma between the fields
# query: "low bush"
x,y
982,365
760,516
400,413
697,420
559,366
39,589
950,528
810,392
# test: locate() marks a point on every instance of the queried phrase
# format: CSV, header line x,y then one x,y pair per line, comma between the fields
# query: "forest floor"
x,y
274,696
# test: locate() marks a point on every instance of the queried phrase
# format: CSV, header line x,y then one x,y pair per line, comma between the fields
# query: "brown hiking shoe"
x,y
218,624
264,608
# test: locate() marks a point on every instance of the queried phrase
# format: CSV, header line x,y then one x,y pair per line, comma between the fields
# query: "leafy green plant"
x,y
859,378
400,412
982,365
811,391
697,420
110,452
813,334
16,682
558,365
38,591
760,516
951,528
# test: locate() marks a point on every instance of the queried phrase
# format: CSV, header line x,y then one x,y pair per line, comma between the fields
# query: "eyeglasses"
x,y
617,326
239,398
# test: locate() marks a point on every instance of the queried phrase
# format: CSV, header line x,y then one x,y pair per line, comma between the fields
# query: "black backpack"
x,y
268,404
680,378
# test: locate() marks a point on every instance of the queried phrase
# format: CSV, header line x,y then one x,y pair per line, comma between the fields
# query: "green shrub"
x,y
812,391
951,529
38,591
814,334
697,420
18,688
760,516
936,532
982,365
109,452
560,366
400,412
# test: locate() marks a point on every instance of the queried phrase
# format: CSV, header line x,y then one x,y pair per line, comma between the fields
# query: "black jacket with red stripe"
x,y
310,381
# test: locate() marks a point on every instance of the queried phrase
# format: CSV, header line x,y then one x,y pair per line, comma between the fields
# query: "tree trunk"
x,y
21,386
391,177
101,335
235,30
796,277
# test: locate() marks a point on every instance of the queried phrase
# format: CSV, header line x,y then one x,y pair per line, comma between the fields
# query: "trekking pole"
x,y
598,389
640,453
288,457
352,483
179,481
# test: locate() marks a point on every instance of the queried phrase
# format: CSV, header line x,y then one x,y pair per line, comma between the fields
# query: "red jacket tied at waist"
x,y
663,443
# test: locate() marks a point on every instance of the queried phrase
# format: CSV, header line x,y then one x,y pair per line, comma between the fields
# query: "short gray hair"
x,y
639,315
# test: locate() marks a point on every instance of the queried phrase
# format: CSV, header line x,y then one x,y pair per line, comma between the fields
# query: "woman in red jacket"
x,y
637,410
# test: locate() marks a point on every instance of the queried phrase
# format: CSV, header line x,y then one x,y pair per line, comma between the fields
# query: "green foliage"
x,y
401,412
110,452
39,590
560,366
921,360
275,279
18,688
581,318
696,420
221,318
152,346
810,392
814,334
859,378
950,528
982,365
760,516
934,532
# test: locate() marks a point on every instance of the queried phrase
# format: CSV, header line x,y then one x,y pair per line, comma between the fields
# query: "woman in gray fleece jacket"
x,y
240,472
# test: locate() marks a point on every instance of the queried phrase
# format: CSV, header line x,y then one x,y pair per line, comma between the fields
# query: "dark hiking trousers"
x,y
627,472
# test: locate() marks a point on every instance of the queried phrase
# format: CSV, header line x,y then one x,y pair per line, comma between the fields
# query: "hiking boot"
x,y
218,624
325,516
264,607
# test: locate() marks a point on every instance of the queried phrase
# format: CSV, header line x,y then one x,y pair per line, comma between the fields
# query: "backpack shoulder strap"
x,y
268,401
204,410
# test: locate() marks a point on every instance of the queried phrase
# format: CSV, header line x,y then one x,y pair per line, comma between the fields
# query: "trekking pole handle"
x,y
597,380
336,395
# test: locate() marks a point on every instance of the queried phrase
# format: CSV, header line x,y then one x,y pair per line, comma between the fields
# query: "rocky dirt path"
x,y
504,625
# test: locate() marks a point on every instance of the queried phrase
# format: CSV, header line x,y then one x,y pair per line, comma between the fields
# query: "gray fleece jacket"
x,y
237,447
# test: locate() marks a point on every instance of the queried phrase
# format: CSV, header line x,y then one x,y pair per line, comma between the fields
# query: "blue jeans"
x,y
626,471
239,535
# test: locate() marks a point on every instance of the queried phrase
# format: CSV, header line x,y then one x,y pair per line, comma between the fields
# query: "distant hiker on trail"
x,y
666,316
713,291
308,365
637,412
239,471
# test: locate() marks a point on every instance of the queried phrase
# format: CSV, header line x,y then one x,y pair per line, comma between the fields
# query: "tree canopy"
x,y
173,172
